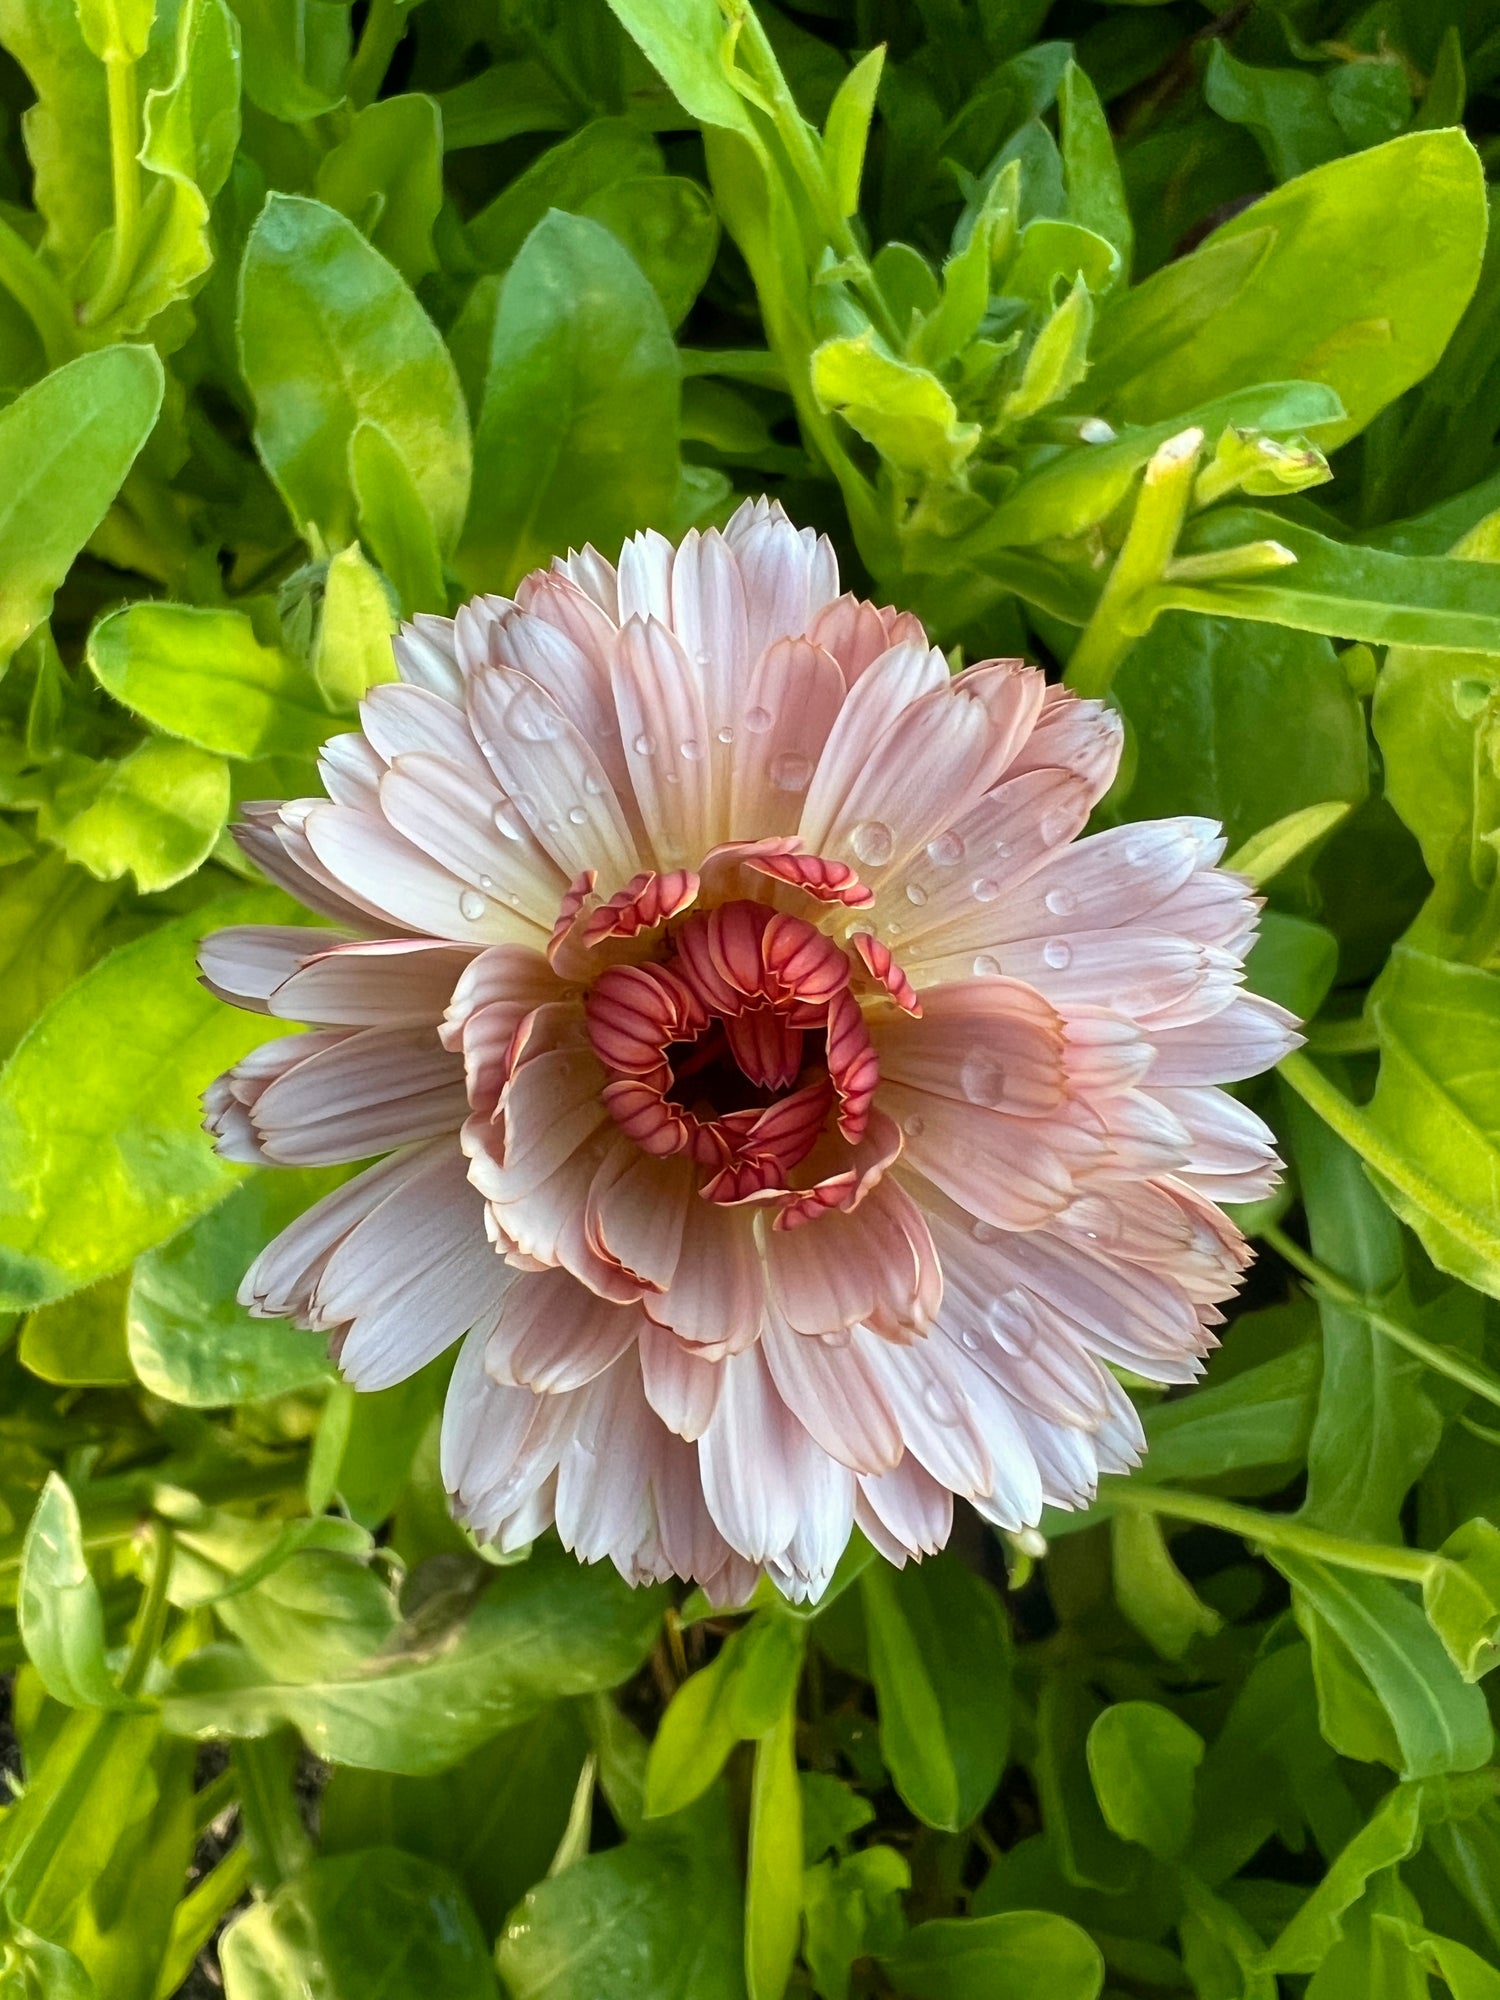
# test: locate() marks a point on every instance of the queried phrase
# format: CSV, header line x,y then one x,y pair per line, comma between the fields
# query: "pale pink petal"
x,y
1080,736
835,1392
718,1294
1120,877
553,1333
756,1460
1244,1038
361,1093
659,697
426,657
247,962
476,835
281,1281
390,874
992,1042
793,699
873,1265
790,573
1011,1172
875,707
904,1512
680,1385
637,1211
1232,1153
386,983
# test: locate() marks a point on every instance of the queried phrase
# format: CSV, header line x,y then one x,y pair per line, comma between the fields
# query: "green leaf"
x,y
60,1610
1375,1429
1023,1954
67,129
658,1915
102,1152
685,42
330,336
1435,1115
591,160
386,175
1466,1975
1288,110
1096,192
1440,1722
1241,726
494,1820
773,1885
670,229
296,53
1152,1592
350,1926
1259,1417
853,1910
354,635
1143,1759
205,676
1394,1831
156,816
1058,359
193,121
1344,591
394,521
905,412
1262,857
1293,962
50,914
846,133
190,1343
65,448
1462,1597
543,1628
1354,274
80,1339
940,1660
739,1694
577,432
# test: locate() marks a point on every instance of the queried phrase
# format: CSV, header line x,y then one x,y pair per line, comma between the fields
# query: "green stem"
x,y
151,1621
1160,510
1442,1360
1270,1531
199,1915
1354,1037
125,176
385,24
1352,1125
40,297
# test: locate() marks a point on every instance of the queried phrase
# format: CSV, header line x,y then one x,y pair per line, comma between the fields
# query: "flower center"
x,y
736,1048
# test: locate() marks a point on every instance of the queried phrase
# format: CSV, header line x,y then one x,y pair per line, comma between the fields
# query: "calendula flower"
x,y
795,1119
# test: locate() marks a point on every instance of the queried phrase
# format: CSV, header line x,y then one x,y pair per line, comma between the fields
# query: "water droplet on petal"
x,y
508,821
691,749
472,906
914,1126
1058,953
985,1232
986,966
592,785
1061,902
578,816
1093,1217
947,850
644,745
533,717
873,842
553,825
939,1402
985,890
758,720
726,734
1055,827
915,893
791,771
1002,849
486,882
969,1339
982,1078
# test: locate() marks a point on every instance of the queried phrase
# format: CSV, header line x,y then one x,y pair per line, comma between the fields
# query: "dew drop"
x,y
1002,850
985,1232
691,749
938,1401
592,785
508,821
914,1126
873,842
758,720
982,1078
726,734
791,771
486,882
915,893
1061,902
985,889
947,850
986,966
533,718
553,825
1094,1217
1055,828
1058,953
969,1339
644,745
578,816
472,906
703,657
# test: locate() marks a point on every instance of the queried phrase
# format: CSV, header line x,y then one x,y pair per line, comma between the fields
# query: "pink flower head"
x,y
792,1115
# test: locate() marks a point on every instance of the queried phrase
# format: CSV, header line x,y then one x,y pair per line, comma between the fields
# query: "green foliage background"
x,y
1160,346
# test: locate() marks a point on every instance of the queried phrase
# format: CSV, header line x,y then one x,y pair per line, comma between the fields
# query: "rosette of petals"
x,y
795,1116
